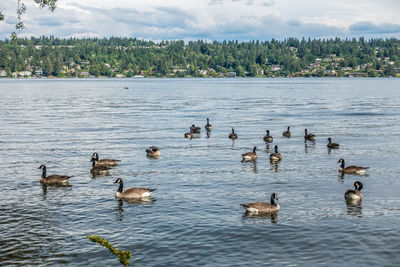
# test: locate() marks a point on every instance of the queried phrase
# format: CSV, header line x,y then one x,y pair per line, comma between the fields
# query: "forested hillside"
x,y
128,57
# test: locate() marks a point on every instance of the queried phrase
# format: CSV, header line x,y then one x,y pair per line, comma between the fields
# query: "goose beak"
x,y
39,168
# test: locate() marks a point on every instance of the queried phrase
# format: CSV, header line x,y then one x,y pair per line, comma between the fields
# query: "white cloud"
x,y
208,19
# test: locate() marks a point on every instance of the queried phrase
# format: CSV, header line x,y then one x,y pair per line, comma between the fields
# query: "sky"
x,y
210,20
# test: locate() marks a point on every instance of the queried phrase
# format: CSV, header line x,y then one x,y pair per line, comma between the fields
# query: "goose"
x,y
332,145
275,156
355,194
153,151
250,156
233,135
208,125
287,133
104,162
133,192
263,207
189,134
309,137
54,178
195,129
351,169
98,169
268,138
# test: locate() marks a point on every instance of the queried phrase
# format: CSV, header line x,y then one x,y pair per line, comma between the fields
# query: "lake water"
x,y
195,217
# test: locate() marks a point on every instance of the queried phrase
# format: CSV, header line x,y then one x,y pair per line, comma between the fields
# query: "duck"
x,y
309,137
332,145
133,192
54,178
351,169
98,169
104,162
233,135
287,133
352,195
208,126
153,151
275,156
189,134
263,207
268,138
250,156
195,129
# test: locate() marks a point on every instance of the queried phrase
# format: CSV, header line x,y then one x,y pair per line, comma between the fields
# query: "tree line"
x,y
60,57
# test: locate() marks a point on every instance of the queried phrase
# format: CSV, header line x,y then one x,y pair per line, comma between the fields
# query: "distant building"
x,y
3,73
275,67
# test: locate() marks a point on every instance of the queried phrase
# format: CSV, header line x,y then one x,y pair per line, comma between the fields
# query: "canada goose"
x,y
153,151
275,156
233,135
195,129
268,138
309,137
98,169
287,133
133,192
263,207
250,156
332,145
104,162
189,134
351,169
208,125
355,194
54,178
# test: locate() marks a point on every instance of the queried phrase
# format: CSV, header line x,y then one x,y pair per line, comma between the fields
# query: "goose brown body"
x,y
268,138
309,136
351,169
351,195
332,145
287,133
98,169
233,135
153,151
133,192
263,207
104,162
54,178
195,129
250,156
275,156
208,126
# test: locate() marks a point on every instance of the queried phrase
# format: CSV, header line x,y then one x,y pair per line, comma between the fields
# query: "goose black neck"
x,y
276,149
273,201
288,128
121,187
342,165
93,163
233,130
44,172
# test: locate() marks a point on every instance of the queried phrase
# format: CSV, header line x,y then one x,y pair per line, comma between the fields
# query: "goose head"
x,y
274,199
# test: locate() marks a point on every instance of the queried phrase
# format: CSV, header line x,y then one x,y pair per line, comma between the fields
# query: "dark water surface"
x,y
195,217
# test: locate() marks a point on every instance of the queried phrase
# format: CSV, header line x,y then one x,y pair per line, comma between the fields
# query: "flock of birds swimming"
x,y
102,167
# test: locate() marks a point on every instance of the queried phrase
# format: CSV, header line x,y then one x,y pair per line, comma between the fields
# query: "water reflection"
x,y
267,148
274,166
251,166
46,187
354,208
135,201
153,156
262,217
308,147
208,134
